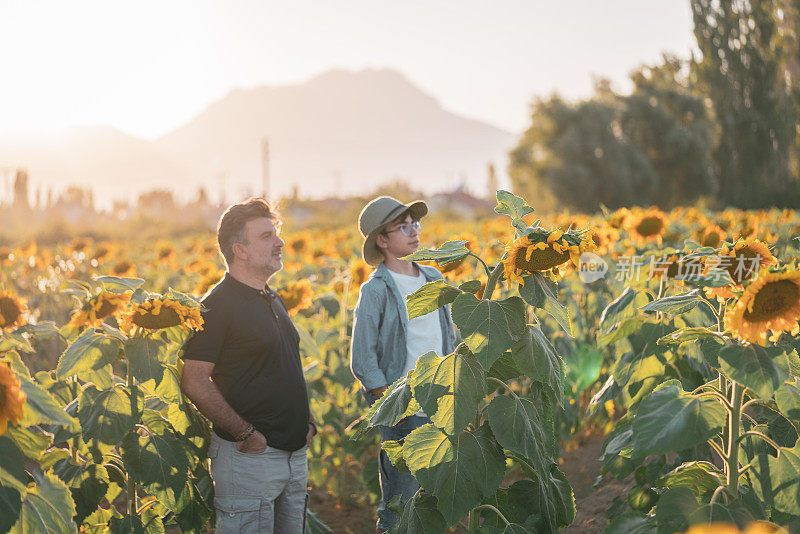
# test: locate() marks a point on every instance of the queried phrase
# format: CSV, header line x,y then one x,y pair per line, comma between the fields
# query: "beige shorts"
x,y
264,492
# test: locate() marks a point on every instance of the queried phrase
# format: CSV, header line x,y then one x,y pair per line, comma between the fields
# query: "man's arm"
x,y
198,386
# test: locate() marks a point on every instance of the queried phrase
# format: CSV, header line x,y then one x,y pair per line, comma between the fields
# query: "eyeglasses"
x,y
408,229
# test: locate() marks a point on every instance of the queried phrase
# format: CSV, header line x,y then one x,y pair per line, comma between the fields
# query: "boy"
x,y
386,344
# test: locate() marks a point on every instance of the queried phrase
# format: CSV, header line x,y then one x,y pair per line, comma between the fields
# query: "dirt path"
x,y
581,466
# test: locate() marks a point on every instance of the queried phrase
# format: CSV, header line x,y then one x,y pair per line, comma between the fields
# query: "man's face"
x,y
395,242
262,249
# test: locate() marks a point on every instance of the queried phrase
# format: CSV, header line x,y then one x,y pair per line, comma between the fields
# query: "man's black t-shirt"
x,y
248,336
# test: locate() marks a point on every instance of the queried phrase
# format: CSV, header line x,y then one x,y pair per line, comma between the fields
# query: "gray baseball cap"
x,y
376,215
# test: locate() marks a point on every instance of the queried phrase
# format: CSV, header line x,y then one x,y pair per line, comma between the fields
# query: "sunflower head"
x,y
359,271
647,225
298,243
770,303
297,296
166,252
13,311
712,236
157,313
744,259
98,308
12,398
124,268
542,250
6,255
207,282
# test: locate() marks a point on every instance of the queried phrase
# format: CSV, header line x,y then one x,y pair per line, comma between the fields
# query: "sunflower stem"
x,y
130,483
491,282
493,509
485,267
737,394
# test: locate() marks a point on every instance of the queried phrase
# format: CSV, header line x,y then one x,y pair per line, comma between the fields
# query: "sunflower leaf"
x,y
118,284
675,304
431,297
448,253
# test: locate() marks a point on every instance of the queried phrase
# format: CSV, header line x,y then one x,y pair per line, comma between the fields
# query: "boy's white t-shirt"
x,y
424,333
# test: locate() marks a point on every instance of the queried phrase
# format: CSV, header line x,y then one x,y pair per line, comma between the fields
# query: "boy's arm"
x,y
364,344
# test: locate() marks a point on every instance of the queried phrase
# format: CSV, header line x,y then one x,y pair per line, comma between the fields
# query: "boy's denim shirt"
x,y
378,348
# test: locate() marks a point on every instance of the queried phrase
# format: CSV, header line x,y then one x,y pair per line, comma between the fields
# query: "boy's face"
x,y
393,241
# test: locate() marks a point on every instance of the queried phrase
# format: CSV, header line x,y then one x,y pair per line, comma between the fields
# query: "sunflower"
x,y
207,282
744,259
161,312
359,271
166,252
712,236
98,308
298,243
297,296
101,253
647,225
124,268
12,311
673,266
770,303
12,399
544,251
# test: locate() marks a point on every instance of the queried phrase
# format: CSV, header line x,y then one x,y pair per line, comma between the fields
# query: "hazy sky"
x,y
146,67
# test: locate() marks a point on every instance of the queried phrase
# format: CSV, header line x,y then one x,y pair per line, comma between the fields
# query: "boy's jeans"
x,y
394,482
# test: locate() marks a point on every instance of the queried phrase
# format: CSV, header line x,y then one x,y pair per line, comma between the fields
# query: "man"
x,y
243,372
386,344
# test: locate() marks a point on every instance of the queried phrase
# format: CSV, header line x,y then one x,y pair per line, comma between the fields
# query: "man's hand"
x,y
378,392
312,431
254,444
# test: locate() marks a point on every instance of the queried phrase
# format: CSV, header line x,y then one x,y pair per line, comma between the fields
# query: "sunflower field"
x,y
674,335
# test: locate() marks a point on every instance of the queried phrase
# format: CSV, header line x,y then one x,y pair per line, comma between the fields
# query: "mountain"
x,y
112,163
342,132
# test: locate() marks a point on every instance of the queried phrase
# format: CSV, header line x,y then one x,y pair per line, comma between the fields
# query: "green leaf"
x,y
762,369
13,481
158,461
430,297
448,253
518,427
15,341
788,399
503,369
675,304
41,407
618,309
48,507
395,403
88,483
625,329
692,333
32,440
783,476
420,516
108,415
91,351
536,357
541,292
489,327
118,284
645,360
675,508
315,525
394,451
450,392
671,420
12,465
631,523
460,470
471,286
143,354
513,206
583,367
703,478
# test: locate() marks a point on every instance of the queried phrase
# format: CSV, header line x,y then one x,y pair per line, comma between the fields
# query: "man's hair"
x,y
231,225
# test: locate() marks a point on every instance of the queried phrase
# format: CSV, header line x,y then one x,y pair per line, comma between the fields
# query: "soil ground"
x,y
581,465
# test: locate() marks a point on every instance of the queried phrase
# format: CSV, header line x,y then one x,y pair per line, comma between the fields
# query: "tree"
x,y
748,70
576,153
669,123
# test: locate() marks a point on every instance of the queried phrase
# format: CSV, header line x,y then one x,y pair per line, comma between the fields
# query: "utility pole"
x,y
265,168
